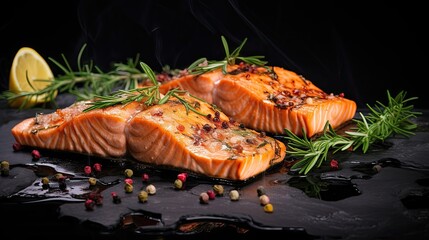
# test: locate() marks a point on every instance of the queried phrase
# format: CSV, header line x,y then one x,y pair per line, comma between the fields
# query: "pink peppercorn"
x,y
89,204
145,177
211,194
116,199
16,147
182,177
97,167
129,181
36,154
87,170
334,164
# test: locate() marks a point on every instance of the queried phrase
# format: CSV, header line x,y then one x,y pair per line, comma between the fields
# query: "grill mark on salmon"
x,y
253,97
163,135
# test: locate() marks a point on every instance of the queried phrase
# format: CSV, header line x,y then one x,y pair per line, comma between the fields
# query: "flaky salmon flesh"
x,y
204,141
269,99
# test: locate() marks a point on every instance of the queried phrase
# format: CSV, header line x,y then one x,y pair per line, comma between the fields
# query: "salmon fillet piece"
x,y
99,132
268,102
213,146
205,142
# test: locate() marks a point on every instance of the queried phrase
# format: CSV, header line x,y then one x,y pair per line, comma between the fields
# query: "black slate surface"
x,y
354,202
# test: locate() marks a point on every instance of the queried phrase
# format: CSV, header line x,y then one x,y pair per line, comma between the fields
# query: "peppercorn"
x,y
218,189
92,181
211,194
377,168
128,173
87,170
145,177
97,167
151,189
143,195
129,181
16,147
89,204
268,208
4,165
204,198
58,176
36,155
45,183
116,199
5,168
260,190
334,164
182,177
128,188
264,200
178,184
234,195
96,197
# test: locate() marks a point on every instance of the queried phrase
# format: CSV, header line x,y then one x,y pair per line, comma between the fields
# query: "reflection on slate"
x,y
382,194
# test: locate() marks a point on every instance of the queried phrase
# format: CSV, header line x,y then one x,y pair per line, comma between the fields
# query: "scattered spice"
x,y
377,168
96,197
92,181
87,170
178,184
36,155
143,195
129,181
128,188
211,194
128,173
97,167
145,177
218,190
260,190
16,147
5,168
204,198
264,200
58,176
45,183
234,195
89,204
268,208
334,164
151,189
115,198
182,177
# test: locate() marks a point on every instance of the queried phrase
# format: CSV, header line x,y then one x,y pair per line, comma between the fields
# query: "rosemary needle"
x,y
150,95
203,65
382,122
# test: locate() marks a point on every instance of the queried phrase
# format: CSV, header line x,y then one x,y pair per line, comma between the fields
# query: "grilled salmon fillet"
x,y
268,99
211,145
204,141
99,132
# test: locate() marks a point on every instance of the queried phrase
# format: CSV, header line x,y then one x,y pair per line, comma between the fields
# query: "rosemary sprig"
x,y
86,83
382,122
203,65
150,94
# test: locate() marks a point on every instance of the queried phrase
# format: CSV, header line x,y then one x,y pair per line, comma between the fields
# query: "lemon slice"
x,y
29,73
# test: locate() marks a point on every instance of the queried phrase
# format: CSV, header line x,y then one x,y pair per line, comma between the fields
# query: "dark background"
x,y
361,49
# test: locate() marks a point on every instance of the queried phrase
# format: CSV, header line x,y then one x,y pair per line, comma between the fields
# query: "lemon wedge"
x,y
29,73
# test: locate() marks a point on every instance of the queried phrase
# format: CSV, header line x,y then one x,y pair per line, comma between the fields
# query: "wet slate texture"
x,y
353,202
